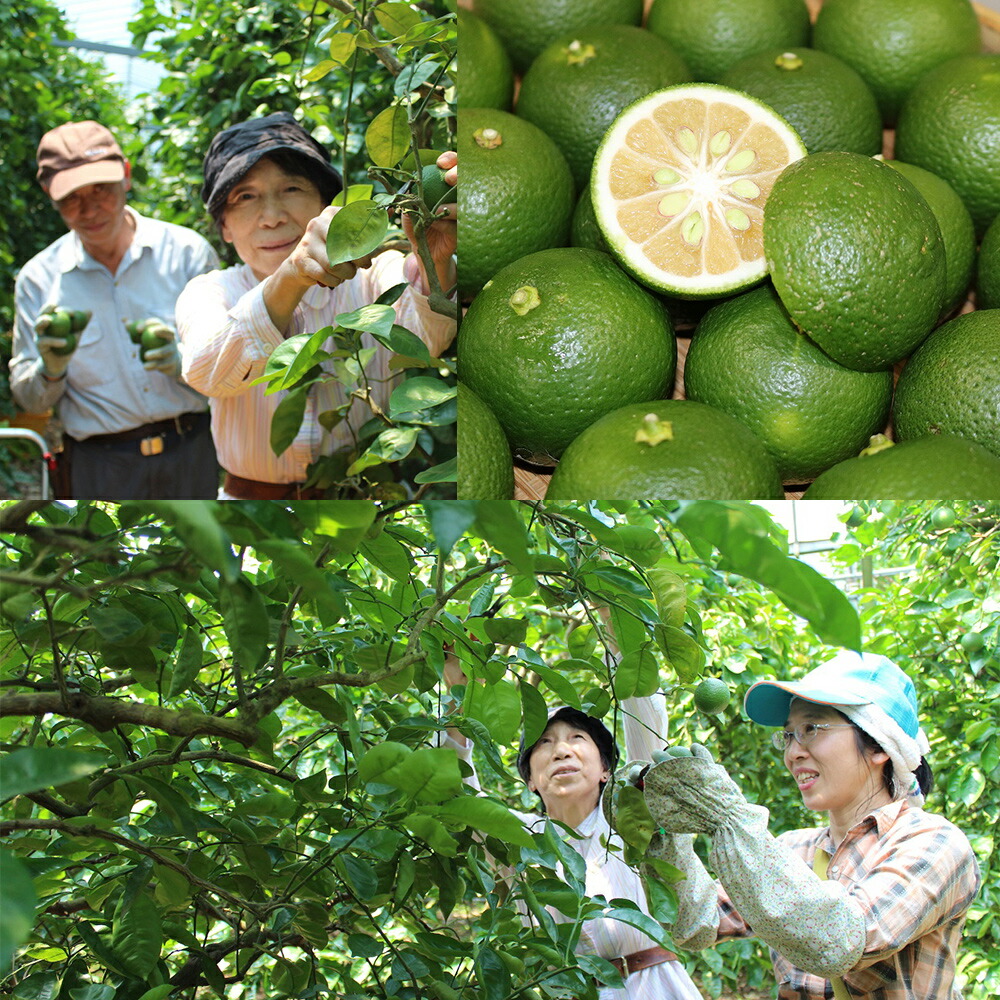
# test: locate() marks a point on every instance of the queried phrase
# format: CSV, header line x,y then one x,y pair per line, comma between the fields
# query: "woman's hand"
x,y
308,263
441,236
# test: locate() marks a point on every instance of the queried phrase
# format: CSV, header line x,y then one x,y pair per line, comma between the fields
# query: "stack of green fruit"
x,y
65,324
831,326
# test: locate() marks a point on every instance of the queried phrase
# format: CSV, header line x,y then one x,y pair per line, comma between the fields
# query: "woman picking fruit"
x,y
268,183
873,903
568,767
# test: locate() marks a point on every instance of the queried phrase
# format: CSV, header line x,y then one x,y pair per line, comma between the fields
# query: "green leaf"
x,y
387,139
292,359
433,832
397,18
358,874
429,774
496,706
245,623
356,230
443,472
637,674
488,816
196,525
343,521
17,905
634,821
187,665
449,520
373,318
391,445
506,631
743,540
670,595
137,936
286,421
534,711
493,975
498,522
389,555
382,758
419,393
342,46
35,768
627,912
157,992
685,655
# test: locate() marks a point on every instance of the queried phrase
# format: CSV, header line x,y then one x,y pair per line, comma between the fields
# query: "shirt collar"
x,y
72,255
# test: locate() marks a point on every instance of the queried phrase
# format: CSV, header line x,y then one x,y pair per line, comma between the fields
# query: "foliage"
x,y
42,84
219,723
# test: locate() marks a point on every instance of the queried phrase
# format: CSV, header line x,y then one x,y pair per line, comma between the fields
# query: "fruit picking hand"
x,y
442,235
691,794
167,358
308,263
53,364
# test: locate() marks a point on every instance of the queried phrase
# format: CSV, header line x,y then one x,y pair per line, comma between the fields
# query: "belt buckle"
x,y
150,446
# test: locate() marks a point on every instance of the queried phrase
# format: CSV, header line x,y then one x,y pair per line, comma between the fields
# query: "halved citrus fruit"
x,y
679,185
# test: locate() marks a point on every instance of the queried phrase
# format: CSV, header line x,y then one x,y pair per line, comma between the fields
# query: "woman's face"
x,y
266,215
831,772
565,765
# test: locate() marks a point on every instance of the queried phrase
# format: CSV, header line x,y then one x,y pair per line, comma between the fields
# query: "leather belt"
x,y
251,489
152,437
627,964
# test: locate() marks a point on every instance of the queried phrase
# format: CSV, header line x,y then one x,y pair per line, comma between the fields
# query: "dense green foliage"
x,y
42,85
219,725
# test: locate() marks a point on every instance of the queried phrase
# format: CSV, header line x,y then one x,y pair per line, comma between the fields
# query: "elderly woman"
x,y
268,185
869,906
568,767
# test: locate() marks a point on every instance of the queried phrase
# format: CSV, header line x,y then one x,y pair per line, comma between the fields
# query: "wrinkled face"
x,y
565,765
266,214
831,772
96,213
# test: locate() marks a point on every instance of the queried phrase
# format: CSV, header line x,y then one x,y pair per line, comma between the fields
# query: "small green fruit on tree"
x,y
711,696
943,517
972,642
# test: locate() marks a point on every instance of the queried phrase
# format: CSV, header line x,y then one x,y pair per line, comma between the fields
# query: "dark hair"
x,y
295,164
594,728
866,743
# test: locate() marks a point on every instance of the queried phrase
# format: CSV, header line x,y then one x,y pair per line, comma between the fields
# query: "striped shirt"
x,y
914,875
227,337
645,725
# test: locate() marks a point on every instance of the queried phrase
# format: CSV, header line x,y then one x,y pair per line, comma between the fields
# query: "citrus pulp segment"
x,y
679,186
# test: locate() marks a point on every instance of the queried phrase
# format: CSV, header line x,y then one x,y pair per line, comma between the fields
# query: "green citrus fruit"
x,y
527,26
857,257
822,98
940,465
950,125
943,517
747,358
485,468
665,449
81,317
516,195
437,191
584,231
679,186
711,696
135,328
559,338
951,384
893,43
577,86
150,341
484,74
61,324
956,227
988,268
712,35
972,642
69,347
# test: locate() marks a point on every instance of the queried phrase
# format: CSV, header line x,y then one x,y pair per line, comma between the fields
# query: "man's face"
x,y
96,213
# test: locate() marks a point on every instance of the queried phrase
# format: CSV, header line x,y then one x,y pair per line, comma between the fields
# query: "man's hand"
x,y
165,357
52,350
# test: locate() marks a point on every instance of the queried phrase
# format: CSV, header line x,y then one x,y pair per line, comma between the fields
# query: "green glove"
x,y
56,332
158,348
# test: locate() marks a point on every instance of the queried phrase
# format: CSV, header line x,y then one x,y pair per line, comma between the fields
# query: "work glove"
x,y
158,348
814,923
647,848
56,345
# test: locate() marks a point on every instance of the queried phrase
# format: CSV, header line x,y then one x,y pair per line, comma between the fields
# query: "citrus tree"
x,y
221,767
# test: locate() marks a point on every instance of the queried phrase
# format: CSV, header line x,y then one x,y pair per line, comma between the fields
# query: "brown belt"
x,y
250,489
627,964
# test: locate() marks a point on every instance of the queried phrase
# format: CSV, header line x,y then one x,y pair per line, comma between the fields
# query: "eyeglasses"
x,y
101,193
804,734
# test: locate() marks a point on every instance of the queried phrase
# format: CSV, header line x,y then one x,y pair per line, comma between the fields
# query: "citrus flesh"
x,y
951,384
679,185
575,88
485,466
673,448
988,268
559,338
821,97
941,466
747,358
856,256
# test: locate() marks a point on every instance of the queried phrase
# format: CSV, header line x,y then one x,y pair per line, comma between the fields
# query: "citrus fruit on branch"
x,y
679,186
711,695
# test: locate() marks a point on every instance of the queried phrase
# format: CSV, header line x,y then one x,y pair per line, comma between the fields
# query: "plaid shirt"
x,y
914,875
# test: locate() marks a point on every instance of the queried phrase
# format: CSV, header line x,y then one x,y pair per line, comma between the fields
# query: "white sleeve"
x,y
645,724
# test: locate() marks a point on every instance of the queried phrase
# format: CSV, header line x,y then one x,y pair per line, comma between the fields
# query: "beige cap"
x,y
76,154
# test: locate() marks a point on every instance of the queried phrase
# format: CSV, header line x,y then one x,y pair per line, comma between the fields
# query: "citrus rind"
x,y
679,185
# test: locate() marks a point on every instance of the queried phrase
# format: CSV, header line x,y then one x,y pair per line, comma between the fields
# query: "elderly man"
x,y
133,429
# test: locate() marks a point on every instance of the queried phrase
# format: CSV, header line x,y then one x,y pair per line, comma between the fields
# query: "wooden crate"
x,y
530,482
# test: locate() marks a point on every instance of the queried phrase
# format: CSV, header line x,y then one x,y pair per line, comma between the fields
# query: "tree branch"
x,y
14,518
